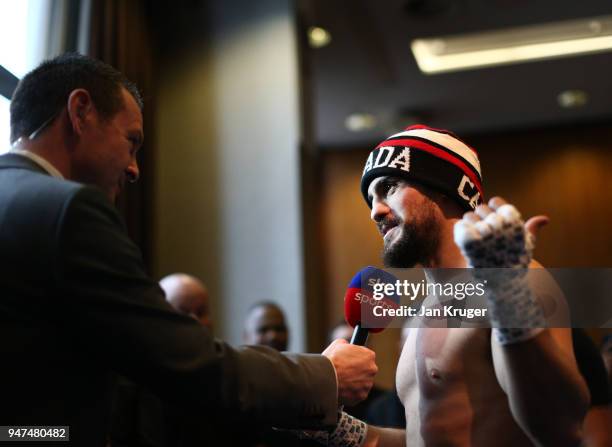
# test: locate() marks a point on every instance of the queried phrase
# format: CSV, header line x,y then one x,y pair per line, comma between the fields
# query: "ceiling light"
x,y
571,99
318,37
512,45
358,122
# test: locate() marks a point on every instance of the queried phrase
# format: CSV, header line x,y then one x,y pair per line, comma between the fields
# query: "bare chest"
x,y
446,381
434,361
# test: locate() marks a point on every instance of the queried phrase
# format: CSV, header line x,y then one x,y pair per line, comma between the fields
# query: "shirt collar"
x,y
40,161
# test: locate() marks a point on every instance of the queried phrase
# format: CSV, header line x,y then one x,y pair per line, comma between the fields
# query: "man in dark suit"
x,y
76,303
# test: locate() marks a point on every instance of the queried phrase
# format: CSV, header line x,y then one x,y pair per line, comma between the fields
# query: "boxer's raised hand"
x,y
495,237
355,369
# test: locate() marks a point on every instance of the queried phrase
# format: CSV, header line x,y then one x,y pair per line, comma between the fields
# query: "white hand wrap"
x,y
349,432
501,242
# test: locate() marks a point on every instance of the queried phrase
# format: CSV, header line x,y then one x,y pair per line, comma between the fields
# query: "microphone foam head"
x,y
366,298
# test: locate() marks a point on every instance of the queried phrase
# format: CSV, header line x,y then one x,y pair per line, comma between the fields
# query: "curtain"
x,y
117,32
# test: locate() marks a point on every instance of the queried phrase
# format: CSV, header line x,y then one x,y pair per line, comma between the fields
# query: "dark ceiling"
x,y
368,68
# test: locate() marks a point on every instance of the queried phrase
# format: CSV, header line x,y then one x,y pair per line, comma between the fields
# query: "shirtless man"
x,y
466,386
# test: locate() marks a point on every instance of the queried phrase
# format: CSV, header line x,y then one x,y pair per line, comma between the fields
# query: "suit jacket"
x,y
76,304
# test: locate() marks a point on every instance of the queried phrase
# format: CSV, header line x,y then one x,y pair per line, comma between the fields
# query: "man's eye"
x,y
134,145
388,187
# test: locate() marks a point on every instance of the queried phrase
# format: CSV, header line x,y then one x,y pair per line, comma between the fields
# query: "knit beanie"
x,y
433,157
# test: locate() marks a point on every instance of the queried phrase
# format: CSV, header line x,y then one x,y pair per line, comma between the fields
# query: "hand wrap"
x,y
501,246
349,432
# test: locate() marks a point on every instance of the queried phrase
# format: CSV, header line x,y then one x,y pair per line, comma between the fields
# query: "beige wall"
x,y
227,171
564,173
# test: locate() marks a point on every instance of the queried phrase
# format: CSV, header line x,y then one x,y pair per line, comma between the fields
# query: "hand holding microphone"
x,y
355,382
355,365
355,370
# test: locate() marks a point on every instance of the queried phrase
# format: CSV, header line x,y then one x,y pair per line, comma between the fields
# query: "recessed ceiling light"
x,y
358,122
512,45
318,37
570,99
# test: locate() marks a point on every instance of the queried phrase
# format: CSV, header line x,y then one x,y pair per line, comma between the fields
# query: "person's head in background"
x,y
340,330
265,325
187,295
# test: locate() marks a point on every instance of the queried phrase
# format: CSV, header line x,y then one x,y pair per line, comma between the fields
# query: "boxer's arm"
x,y
546,393
535,365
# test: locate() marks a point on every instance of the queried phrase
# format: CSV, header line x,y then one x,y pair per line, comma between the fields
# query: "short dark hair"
x,y
263,304
43,92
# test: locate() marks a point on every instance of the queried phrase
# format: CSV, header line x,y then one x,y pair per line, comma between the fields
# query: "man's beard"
x,y
418,243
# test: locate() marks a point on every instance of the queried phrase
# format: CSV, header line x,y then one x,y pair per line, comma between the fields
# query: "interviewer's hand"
x,y
355,368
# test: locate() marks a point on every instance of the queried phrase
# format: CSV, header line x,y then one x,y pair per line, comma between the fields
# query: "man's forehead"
x,y
131,107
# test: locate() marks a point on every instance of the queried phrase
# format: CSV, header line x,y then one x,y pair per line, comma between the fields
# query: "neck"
x,y
48,147
448,255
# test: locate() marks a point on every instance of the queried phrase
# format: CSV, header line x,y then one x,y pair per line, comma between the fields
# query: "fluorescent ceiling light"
x,y
571,99
512,45
358,122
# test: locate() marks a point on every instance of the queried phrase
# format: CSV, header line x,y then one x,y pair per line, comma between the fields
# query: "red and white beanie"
x,y
433,157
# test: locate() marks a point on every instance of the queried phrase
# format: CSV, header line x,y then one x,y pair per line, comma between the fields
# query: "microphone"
x,y
361,300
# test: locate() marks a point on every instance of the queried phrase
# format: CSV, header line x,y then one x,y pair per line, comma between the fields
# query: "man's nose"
x,y
379,210
132,172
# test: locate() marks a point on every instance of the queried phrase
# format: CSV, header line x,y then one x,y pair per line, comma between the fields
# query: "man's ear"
x,y
79,107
